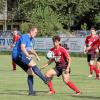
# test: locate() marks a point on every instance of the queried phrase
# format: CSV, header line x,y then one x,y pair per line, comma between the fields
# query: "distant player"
x,y
16,37
96,46
62,60
21,55
91,54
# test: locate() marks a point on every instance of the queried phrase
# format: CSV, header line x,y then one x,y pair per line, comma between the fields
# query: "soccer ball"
x,y
50,55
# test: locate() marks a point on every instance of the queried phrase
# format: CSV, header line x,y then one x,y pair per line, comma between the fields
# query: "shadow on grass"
x,y
20,92
87,97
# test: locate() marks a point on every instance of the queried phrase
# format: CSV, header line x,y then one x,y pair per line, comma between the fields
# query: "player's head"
x,y
15,32
32,31
92,31
56,41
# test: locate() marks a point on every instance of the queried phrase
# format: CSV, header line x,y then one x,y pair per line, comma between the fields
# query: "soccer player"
x,y
16,37
91,54
63,61
21,55
96,46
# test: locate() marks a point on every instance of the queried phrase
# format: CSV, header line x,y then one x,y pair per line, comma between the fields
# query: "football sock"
x,y
37,71
50,85
92,67
73,87
14,65
97,72
30,83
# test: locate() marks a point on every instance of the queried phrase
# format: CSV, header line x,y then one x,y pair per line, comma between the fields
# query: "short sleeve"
x,y
23,40
65,53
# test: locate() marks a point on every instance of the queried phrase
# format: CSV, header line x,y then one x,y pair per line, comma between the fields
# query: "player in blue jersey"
x,y
21,55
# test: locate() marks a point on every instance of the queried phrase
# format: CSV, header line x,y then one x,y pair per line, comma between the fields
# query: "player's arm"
x,y
69,64
48,63
85,49
93,46
25,51
68,58
32,51
86,45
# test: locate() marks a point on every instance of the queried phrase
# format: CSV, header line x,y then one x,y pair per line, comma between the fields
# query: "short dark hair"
x,y
56,38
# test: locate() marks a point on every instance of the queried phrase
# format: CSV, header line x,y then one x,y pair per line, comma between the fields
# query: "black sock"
x,y
30,84
37,71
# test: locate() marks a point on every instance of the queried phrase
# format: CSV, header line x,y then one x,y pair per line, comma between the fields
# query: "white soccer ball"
x,y
50,55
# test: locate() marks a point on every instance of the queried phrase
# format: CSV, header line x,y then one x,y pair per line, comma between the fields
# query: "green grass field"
x,y
13,85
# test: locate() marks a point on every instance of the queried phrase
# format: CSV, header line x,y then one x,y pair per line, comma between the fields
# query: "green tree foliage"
x,y
24,27
56,15
2,5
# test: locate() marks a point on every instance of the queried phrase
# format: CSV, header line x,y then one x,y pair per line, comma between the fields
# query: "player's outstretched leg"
x,y
73,87
66,79
37,71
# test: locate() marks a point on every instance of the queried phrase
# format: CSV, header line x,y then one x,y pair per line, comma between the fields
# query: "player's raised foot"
x,y
51,92
32,94
90,76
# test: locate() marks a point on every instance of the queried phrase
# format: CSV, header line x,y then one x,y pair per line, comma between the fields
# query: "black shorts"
x,y
91,57
23,65
98,59
59,70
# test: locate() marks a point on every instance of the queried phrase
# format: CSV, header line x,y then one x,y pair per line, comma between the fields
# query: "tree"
x,y
2,5
53,15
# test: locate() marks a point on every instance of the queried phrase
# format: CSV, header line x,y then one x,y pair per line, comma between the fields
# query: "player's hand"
x,y
84,52
38,58
30,58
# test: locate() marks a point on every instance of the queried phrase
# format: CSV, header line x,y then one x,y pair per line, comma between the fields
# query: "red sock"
x,y
14,65
97,72
92,67
50,86
73,87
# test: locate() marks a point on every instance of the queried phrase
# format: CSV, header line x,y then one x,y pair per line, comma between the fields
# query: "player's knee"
x,y
66,80
49,78
50,73
32,63
30,72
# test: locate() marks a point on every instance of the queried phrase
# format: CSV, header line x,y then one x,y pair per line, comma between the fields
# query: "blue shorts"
x,y
22,61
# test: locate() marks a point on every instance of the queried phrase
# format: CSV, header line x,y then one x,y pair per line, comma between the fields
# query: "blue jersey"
x,y
24,39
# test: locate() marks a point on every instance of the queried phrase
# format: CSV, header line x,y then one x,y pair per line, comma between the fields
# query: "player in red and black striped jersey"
x,y
91,54
62,60
96,46
16,37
